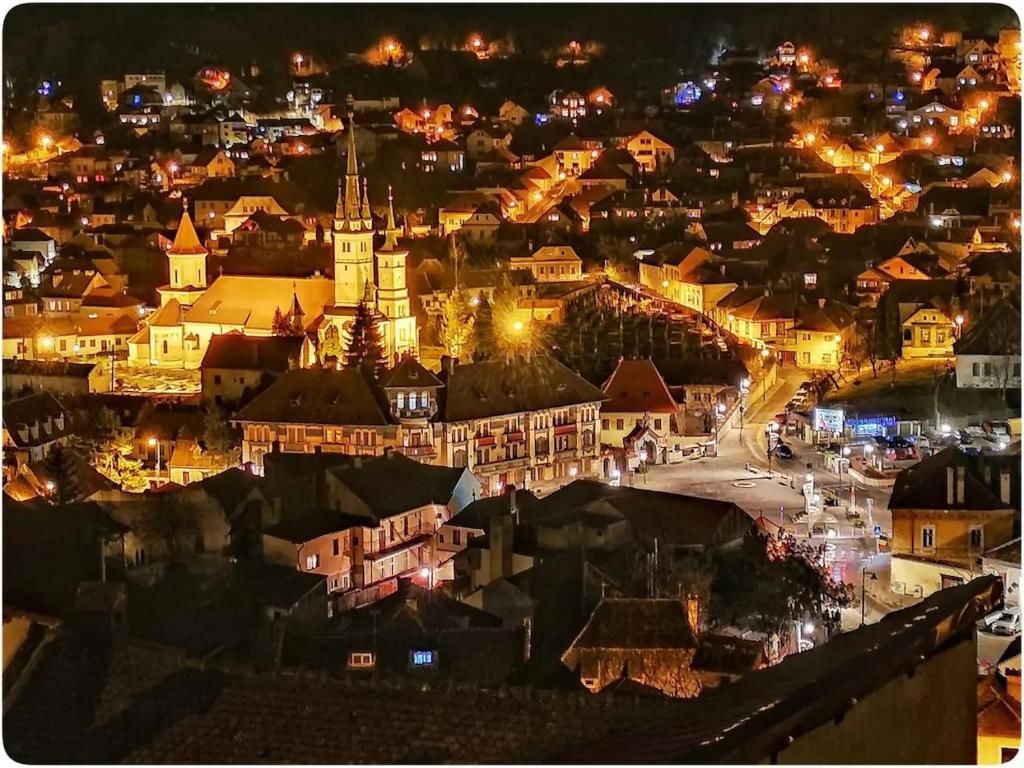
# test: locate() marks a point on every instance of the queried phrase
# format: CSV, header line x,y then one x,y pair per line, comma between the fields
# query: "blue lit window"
x,y
422,658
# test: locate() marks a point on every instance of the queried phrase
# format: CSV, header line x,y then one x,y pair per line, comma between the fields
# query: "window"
x,y
826,358
336,547
604,423
456,536
312,561
412,400
618,424
928,537
422,658
216,378
976,369
363,660
657,423
977,537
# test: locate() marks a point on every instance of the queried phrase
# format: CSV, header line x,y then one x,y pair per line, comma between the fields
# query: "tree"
x,y
330,347
483,330
113,457
281,325
219,438
169,519
365,348
455,325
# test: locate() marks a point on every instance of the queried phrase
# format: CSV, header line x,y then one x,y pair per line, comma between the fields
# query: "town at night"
x,y
511,384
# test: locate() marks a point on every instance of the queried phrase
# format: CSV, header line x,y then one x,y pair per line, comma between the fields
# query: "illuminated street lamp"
x,y
809,138
153,442
928,140
642,455
428,574
517,326
573,471
46,141
50,486
959,320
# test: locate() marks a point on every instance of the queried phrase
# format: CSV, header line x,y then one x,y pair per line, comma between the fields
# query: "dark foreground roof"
x,y
80,707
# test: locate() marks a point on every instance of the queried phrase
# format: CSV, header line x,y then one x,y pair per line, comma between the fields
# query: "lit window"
x,y
358,660
312,561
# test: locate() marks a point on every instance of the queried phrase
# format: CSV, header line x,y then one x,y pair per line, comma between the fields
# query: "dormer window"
x,y
401,400
412,401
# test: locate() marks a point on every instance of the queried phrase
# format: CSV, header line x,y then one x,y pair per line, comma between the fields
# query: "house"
x,y
552,263
484,139
574,155
988,355
600,98
646,641
651,153
208,163
375,523
235,366
999,706
513,114
726,235
820,338
845,210
266,230
762,318
947,511
927,331
639,399
32,240
474,521
58,377
32,426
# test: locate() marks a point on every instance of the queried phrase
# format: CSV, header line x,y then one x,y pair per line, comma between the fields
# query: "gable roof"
x,y
309,396
251,353
996,333
494,388
409,373
645,623
925,485
393,484
636,387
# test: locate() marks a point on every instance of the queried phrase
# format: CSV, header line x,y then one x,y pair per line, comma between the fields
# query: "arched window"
x,y
401,400
425,399
412,401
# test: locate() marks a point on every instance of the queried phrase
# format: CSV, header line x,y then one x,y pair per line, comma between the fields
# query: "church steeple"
x,y
391,230
352,210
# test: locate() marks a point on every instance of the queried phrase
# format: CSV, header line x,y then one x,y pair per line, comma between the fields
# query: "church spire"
x,y
352,212
391,230
186,241
339,206
365,210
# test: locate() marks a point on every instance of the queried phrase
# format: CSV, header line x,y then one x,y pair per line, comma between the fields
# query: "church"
x,y
191,312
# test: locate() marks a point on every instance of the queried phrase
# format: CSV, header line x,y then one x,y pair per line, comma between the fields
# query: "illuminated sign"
x,y
828,419
422,658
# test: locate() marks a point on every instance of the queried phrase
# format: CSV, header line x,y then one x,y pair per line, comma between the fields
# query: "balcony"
x,y
419,450
565,429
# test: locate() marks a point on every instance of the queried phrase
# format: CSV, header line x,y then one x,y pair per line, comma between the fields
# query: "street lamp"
x,y
573,471
428,574
863,589
719,410
643,460
153,442
959,320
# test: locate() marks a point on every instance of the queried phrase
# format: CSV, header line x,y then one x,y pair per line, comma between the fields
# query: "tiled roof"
x,y
925,485
393,484
637,623
253,353
35,412
636,387
409,373
308,396
494,388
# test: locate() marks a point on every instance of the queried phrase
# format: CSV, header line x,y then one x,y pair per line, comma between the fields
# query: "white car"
x,y
1005,621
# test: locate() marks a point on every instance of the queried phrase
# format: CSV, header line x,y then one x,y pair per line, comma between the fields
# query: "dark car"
x,y
783,451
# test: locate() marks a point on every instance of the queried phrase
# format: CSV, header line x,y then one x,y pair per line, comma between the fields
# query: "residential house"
x,y
947,511
32,426
988,355
574,155
235,367
375,523
821,338
640,410
513,114
651,153
927,331
485,139
552,263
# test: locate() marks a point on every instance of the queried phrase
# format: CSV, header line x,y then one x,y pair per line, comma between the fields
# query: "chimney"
x,y
1004,486
961,476
821,303
512,507
501,532
949,485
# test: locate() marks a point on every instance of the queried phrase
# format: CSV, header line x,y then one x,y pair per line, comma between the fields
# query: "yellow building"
x,y
927,331
552,263
650,152
820,338
178,334
947,510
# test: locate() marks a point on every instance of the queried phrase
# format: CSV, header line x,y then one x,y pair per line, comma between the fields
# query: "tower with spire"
x,y
186,264
392,292
352,232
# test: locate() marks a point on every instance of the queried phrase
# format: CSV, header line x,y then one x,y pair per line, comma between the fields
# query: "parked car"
x,y
1007,624
1002,622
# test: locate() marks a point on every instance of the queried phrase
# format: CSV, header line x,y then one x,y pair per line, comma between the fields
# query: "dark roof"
x,y
924,485
831,317
494,388
679,373
28,235
728,655
410,373
478,513
48,368
314,524
413,609
311,396
393,484
252,353
637,623
996,333
37,411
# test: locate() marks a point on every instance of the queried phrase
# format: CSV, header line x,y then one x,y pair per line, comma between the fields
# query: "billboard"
x,y
828,420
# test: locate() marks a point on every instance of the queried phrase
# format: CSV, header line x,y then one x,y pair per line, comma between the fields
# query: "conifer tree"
x,y
365,348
